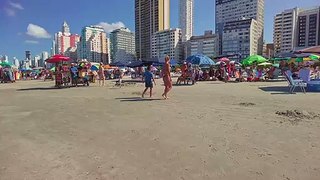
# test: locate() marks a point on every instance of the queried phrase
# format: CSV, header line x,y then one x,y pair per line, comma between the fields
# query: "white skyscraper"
x,y
16,62
44,56
36,60
93,44
186,8
167,42
122,45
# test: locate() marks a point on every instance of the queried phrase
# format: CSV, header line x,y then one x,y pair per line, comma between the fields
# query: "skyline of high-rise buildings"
x,y
239,30
150,16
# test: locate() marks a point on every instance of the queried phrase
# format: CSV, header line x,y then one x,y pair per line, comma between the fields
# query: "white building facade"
x,y
238,10
296,29
167,42
122,45
207,44
186,9
93,44
241,37
285,30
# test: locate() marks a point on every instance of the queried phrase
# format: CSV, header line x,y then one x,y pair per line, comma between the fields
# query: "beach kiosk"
x,y
62,70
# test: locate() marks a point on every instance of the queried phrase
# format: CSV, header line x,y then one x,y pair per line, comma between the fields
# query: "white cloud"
x,y
9,12
110,27
16,5
37,32
31,42
11,8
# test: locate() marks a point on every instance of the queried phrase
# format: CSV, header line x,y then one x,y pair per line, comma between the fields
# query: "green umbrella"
x,y
5,64
265,64
253,59
314,57
281,59
53,69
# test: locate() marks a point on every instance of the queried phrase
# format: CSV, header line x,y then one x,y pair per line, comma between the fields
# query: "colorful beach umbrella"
x,y
253,59
5,64
224,59
265,64
200,60
58,59
95,67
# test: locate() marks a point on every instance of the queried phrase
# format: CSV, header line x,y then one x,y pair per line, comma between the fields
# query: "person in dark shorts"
x,y
149,80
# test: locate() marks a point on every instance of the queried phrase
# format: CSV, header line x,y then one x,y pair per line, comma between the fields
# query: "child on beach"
x,y
149,80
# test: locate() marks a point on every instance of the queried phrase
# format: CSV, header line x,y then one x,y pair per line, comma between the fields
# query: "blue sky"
x,y
30,24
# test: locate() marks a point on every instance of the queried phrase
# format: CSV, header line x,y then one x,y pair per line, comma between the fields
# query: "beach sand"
x,y
212,130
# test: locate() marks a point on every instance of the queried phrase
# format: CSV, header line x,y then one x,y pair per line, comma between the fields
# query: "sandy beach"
x,y
212,130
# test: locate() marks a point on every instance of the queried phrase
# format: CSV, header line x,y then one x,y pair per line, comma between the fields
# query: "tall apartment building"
x,y
296,29
122,45
207,44
150,16
186,9
167,42
284,33
240,37
93,44
308,28
64,40
44,56
239,10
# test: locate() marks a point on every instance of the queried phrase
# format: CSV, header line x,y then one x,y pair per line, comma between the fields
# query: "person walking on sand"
x,y
101,75
149,80
166,77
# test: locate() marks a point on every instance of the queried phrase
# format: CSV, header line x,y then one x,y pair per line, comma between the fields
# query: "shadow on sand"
x,y
39,89
274,90
136,99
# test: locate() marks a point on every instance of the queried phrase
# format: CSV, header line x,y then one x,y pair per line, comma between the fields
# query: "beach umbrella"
x,y
200,60
95,67
265,64
314,57
224,59
5,64
53,69
276,65
135,64
253,59
118,64
57,59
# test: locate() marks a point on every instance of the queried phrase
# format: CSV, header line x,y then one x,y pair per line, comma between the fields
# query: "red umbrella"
x,y
57,59
224,59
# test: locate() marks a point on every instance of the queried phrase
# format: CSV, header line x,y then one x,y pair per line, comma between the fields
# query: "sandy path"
x,y
203,132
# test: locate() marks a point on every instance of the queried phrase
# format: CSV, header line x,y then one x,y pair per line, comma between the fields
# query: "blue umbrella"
x,y
134,64
94,68
200,60
118,64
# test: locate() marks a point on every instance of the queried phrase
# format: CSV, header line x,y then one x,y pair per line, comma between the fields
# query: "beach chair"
x,y
304,74
294,83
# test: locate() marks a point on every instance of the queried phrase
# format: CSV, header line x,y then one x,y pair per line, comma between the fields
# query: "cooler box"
x,y
313,86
